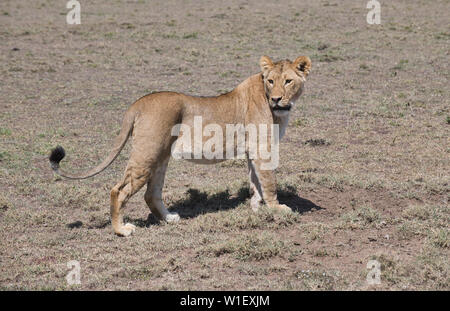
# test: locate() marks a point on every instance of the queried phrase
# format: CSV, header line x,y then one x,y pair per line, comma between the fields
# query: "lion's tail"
x,y
58,153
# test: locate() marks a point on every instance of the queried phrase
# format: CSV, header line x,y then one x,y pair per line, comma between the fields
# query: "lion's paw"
x,y
255,203
127,230
281,207
172,218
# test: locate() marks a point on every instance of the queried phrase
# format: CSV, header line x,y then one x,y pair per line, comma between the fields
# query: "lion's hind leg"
x,y
133,180
153,195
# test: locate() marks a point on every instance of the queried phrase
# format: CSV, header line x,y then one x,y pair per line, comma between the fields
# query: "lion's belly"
x,y
205,158
205,161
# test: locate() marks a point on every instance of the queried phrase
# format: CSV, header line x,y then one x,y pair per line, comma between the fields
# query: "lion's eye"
x,y
270,81
288,81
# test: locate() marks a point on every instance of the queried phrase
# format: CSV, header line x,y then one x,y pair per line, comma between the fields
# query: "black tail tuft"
x,y
56,156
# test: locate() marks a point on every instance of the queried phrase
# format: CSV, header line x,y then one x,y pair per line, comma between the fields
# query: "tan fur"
x,y
151,118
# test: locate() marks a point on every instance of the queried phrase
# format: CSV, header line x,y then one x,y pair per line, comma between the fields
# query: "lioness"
x,y
264,98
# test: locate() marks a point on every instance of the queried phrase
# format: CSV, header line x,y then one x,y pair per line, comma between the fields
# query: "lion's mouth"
x,y
282,108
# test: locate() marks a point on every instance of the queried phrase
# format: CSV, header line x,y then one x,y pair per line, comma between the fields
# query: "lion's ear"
x,y
303,64
265,63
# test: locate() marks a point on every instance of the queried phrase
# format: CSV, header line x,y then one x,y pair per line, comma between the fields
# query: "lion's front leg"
x,y
255,188
263,184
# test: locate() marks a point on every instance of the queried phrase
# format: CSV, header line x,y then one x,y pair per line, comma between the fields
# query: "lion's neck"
x,y
282,121
251,87
252,90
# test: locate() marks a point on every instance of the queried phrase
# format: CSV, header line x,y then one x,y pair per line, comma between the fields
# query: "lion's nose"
x,y
276,99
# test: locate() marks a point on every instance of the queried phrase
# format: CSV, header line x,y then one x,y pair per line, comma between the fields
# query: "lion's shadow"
x,y
199,202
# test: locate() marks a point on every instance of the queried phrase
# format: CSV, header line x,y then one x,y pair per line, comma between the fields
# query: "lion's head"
x,y
283,81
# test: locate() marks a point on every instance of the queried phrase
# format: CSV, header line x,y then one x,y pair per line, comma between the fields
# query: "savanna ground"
x,y
364,163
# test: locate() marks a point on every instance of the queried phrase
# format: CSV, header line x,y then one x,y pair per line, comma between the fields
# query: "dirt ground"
x,y
364,164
